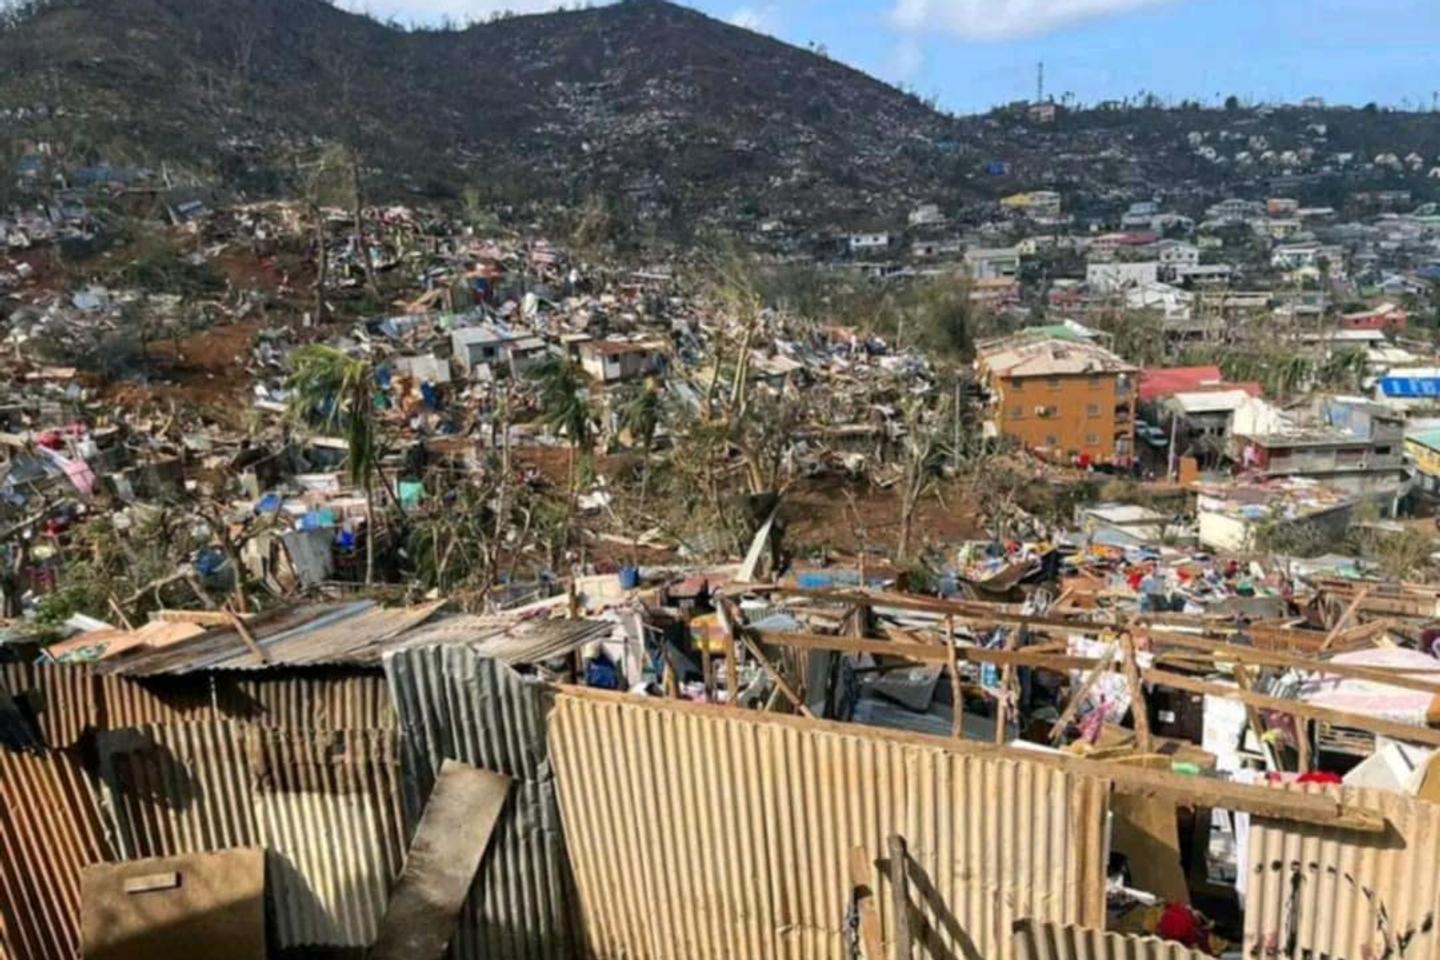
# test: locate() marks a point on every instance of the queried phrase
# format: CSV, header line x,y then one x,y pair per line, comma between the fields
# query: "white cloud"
x,y
760,19
461,11
1003,19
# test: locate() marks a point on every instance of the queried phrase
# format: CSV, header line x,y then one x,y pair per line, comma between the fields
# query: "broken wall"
x,y
700,833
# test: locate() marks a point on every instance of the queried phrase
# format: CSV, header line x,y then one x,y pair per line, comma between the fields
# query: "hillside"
x,y
671,111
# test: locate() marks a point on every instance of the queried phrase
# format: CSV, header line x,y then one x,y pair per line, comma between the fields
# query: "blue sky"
x,y
973,54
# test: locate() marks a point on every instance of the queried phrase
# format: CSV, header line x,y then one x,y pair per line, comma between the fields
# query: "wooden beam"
x,y
1007,685
1345,618
900,896
925,653
205,618
1138,707
1224,652
1296,708
780,680
732,664
1102,666
872,941
246,636
957,688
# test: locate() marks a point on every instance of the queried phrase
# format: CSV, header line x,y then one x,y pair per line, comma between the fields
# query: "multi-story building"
x,y
1060,397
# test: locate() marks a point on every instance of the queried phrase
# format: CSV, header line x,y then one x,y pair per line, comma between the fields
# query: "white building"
x,y
1117,276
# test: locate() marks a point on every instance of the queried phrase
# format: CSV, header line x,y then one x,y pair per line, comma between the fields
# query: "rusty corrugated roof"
x,y
337,633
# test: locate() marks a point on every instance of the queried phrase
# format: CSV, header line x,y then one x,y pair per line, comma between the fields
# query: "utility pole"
x,y
1040,82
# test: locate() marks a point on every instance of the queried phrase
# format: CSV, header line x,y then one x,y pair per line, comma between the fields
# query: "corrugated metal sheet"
x,y
178,789
1036,940
454,704
338,699
509,640
1317,892
49,830
61,697
137,701
328,808
356,632
700,832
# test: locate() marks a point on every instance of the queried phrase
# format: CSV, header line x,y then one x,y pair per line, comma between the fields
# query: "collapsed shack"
x,y
317,736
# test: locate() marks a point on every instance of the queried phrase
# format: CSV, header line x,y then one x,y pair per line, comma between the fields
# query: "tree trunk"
x,y
322,264
369,533
361,246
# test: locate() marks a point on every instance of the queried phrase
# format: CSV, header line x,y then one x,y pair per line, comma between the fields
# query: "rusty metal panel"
x,y
456,705
329,700
1037,940
701,832
50,829
138,701
1318,892
327,806
60,696
176,789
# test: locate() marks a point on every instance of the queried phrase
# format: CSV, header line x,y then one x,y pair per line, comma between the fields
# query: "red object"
x,y
1319,776
1180,924
1167,381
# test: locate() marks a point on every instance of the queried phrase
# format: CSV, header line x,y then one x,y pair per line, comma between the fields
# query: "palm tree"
x,y
565,408
329,387
639,413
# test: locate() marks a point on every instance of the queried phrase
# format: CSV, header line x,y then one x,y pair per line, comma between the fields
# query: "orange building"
x,y
1060,397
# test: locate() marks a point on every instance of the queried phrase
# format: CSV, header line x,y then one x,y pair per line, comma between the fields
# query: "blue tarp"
x,y
1410,386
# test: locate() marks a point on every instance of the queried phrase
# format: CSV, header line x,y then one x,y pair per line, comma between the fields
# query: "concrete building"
x,y
1065,398
611,361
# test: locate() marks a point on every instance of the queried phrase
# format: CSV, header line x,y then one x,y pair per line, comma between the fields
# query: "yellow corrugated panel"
x,y
327,805
1037,940
1319,892
49,830
699,832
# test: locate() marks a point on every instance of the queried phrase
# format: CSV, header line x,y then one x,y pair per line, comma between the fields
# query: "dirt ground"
x,y
208,371
818,514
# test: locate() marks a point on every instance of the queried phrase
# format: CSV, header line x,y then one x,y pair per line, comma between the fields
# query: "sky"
x,y
970,55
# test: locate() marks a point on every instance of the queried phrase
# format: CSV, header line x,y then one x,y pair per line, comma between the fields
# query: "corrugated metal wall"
x,y
176,789
700,833
328,808
1318,892
453,704
63,698
49,830
1035,940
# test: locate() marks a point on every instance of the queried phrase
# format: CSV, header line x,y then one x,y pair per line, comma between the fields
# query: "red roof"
x,y
1168,381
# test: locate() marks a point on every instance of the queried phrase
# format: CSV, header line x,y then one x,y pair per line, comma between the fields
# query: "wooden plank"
x,y
205,618
778,677
872,941
1138,707
1345,618
247,636
1100,669
900,897
925,653
449,844
1007,690
1229,653
1295,708
957,687
726,613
